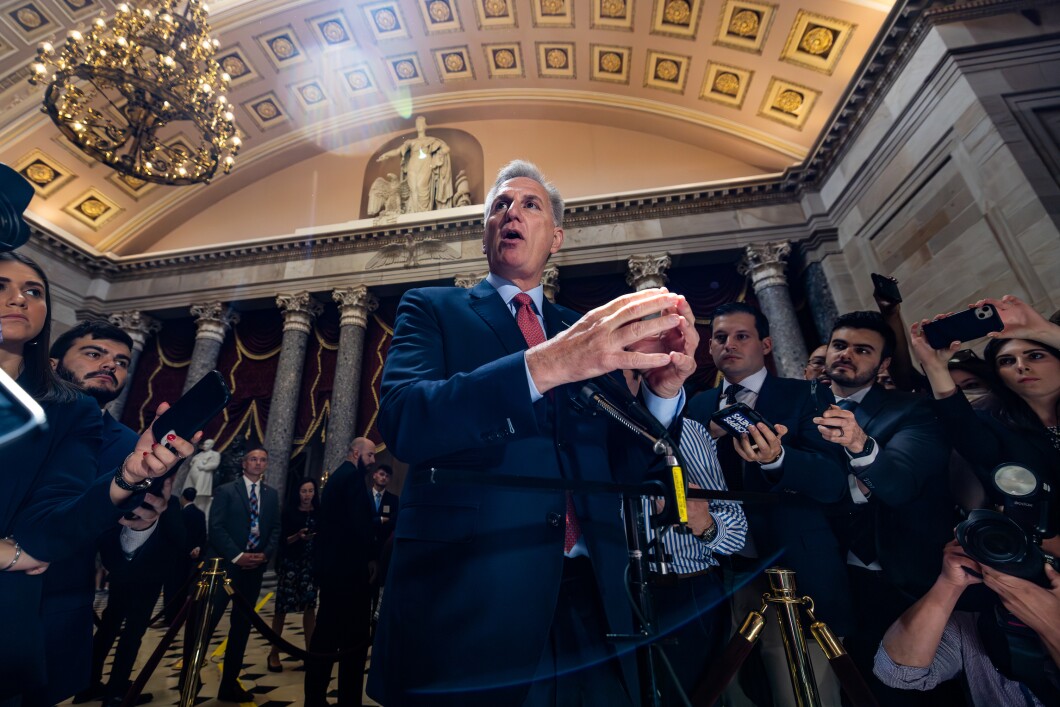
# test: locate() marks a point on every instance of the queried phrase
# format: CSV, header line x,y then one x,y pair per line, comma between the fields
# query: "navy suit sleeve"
x,y
68,503
427,413
812,466
972,437
917,452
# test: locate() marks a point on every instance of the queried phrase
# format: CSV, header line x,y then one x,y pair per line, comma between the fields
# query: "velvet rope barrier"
x,y
238,600
709,690
850,680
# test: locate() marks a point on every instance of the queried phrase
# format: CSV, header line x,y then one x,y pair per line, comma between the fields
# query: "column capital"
x,y
298,310
765,264
647,270
469,280
137,325
355,304
213,320
550,282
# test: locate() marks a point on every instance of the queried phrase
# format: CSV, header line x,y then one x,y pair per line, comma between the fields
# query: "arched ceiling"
x,y
751,80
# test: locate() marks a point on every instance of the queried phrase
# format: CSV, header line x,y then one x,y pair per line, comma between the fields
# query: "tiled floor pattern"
x,y
269,689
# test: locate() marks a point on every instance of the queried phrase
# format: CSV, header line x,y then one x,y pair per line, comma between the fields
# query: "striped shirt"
x,y
689,553
960,650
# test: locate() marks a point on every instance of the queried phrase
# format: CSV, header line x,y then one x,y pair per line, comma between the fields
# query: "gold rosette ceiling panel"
x,y
143,94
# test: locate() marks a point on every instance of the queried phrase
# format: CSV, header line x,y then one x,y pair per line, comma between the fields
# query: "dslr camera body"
x,y
1010,541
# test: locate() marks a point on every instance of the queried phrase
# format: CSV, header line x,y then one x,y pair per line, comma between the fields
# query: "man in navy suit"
x,y
94,356
247,538
495,595
898,511
805,469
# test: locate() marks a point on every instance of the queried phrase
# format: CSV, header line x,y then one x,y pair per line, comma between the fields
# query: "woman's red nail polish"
x,y
154,444
171,437
146,453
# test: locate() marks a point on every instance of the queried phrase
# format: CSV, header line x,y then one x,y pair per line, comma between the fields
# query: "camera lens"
x,y
999,544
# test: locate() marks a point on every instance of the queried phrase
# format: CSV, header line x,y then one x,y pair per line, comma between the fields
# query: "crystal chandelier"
x,y
143,93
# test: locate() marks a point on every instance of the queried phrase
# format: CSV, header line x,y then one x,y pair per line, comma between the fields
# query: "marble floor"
x,y
269,689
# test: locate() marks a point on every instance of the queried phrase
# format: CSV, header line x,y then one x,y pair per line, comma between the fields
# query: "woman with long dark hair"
x,y
50,496
297,589
1022,428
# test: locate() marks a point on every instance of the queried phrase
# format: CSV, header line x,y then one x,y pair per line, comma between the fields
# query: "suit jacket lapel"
x,y
870,407
556,320
487,303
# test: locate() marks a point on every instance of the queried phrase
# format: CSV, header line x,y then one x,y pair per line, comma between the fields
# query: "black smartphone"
x,y
195,408
885,288
738,419
202,403
963,326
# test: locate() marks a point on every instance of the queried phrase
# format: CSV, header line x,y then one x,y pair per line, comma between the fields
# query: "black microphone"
x,y
638,420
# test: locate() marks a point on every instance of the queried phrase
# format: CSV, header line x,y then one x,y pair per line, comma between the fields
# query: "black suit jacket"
x,y
152,560
346,538
911,502
797,533
475,572
389,508
230,520
195,535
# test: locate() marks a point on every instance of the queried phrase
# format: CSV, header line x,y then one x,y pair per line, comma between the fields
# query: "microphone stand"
x,y
635,520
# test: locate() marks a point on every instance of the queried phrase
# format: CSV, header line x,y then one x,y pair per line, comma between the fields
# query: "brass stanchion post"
x,y
210,582
782,596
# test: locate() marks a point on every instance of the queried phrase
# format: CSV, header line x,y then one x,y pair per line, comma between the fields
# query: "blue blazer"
x,y
797,531
44,505
911,500
69,588
475,571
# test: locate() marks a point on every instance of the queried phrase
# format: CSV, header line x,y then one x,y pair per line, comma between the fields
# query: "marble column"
x,y
355,304
646,271
765,264
138,326
213,320
298,313
550,282
822,303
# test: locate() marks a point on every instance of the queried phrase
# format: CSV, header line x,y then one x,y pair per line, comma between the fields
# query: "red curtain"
x,y
160,372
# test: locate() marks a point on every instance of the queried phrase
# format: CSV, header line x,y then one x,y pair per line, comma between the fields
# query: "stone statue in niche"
x,y
462,197
426,178
385,197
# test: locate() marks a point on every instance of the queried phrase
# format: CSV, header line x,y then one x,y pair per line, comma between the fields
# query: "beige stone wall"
x,y
949,186
587,160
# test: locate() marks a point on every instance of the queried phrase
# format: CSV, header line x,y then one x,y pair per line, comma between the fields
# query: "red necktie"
x,y
532,332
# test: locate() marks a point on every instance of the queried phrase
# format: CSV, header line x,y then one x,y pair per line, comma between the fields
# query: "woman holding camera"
x,y
1025,357
50,496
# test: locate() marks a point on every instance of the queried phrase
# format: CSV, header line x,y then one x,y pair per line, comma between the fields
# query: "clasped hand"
x,y
616,337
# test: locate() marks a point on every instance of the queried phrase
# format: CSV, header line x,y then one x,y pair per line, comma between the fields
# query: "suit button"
x,y
553,519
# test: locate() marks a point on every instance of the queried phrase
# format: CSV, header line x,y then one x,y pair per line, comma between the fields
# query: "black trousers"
x,y
130,603
343,624
579,667
693,614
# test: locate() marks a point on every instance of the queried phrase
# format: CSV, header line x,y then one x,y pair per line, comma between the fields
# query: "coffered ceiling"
x,y
752,80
